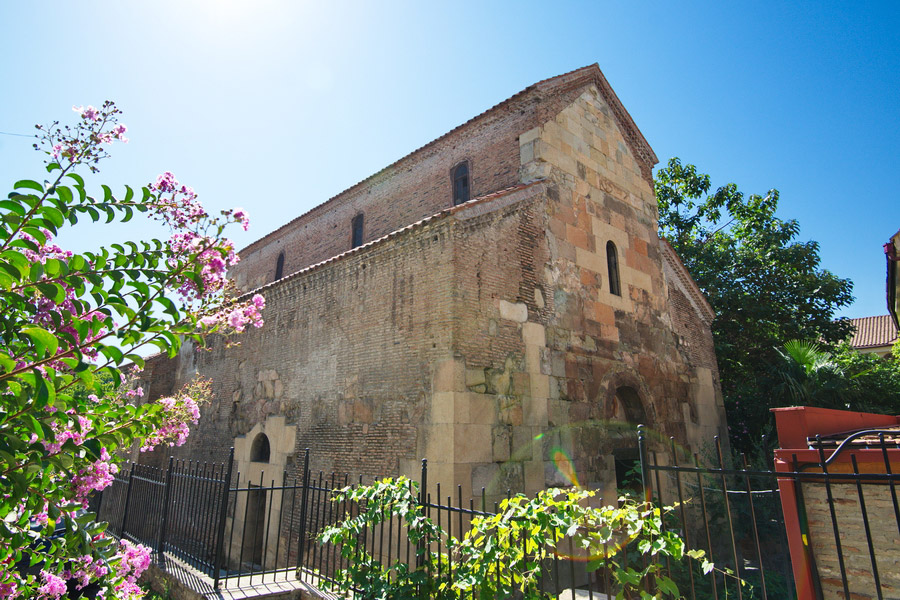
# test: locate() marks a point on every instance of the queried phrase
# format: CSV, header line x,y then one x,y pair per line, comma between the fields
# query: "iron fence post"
x,y
165,515
304,497
645,467
420,547
127,500
223,513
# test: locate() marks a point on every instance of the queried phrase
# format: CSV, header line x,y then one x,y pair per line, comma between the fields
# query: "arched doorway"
x,y
626,454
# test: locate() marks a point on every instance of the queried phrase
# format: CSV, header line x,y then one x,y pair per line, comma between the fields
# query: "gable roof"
x,y
697,298
475,206
567,81
872,332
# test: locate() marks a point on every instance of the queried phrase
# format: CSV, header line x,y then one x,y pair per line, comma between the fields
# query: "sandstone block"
x,y
534,334
517,312
590,260
501,441
472,443
442,407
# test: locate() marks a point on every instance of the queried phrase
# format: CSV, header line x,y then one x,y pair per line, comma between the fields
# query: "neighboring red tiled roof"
x,y
872,332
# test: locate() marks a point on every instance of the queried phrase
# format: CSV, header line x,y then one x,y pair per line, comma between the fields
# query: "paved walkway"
x,y
282,583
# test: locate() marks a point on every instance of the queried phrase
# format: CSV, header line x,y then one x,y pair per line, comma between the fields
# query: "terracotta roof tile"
x,y
872,332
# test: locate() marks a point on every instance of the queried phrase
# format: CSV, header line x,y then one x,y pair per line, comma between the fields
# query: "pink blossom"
x,y
174,430
89,114
240,215
97,476
53,587
119,131
9,590
258,301
164,183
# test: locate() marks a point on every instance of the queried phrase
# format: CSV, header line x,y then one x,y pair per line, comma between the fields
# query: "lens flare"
x,y
565,466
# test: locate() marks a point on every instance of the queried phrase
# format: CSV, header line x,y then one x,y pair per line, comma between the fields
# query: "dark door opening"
x,y
254,524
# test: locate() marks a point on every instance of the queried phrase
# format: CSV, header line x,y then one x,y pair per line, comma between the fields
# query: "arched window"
x,y
279,267
356,226
460,183
259,451
612,266
630,401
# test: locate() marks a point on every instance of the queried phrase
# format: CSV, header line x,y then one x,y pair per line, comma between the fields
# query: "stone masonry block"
x,y
439,440
472,443
517,312
540,386
590,260
534,333
442,407
501,442
449,376
480,408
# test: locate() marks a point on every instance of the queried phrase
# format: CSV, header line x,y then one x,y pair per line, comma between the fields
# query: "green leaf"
x,y
29,184
56,268
666,585
65,194
112,353
37,271
42,339
13,206
36,233
52,291
7,363
53,214
77,262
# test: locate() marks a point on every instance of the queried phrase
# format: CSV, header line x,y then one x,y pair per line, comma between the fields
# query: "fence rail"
x,y
741,516
215,529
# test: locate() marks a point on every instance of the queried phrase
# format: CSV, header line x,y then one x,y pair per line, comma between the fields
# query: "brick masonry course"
x,y
484,337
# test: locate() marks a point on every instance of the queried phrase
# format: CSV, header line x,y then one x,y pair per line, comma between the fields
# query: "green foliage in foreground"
x,y
506,555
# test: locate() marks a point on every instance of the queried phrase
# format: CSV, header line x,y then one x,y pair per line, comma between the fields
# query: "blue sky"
x,y
277,105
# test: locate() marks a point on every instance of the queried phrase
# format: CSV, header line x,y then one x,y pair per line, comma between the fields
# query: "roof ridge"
x,y
414,225
633,135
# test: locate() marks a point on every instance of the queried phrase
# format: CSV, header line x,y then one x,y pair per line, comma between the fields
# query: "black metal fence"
x,y
214,529
846,520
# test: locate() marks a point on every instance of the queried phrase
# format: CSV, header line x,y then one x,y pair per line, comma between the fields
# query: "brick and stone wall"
x,y
854,546
485,338
413,188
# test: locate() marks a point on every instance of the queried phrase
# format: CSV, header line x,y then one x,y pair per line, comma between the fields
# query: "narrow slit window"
x,y
461,183
612,266
357,226
279,266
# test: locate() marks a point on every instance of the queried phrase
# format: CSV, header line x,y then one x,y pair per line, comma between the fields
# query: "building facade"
x,y
498,302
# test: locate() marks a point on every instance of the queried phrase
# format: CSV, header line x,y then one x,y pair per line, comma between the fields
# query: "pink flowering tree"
x,y
73,328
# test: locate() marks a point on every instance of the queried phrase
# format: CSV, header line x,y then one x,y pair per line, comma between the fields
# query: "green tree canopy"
x,y
765,286
844,379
